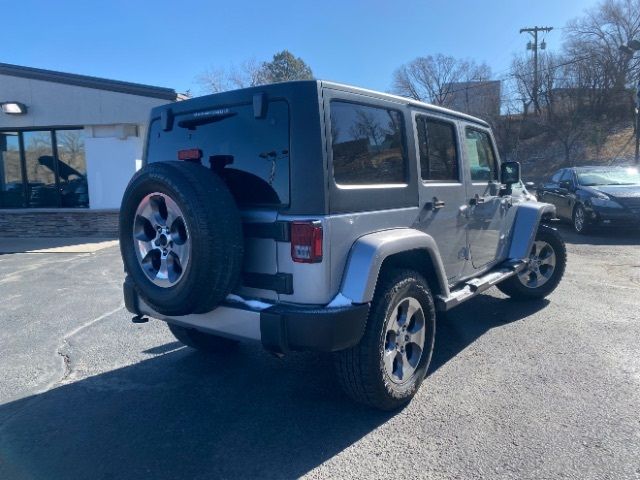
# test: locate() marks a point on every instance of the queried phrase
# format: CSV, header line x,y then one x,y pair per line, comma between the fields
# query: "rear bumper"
x,y
280,328
284,328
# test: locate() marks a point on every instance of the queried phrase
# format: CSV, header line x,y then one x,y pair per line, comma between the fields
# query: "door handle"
x,y
437,204
434,204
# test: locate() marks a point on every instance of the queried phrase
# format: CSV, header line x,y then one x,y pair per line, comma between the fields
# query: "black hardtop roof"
x,y
403,100
229,96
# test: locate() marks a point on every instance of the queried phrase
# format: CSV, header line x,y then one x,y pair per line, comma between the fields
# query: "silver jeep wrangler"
x,y
317,216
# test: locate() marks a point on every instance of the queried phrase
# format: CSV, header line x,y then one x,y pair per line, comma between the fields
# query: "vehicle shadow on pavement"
x,y
460,327
600,237
183,414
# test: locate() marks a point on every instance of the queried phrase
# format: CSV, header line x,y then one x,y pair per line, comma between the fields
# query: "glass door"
x,y
42,188
11,181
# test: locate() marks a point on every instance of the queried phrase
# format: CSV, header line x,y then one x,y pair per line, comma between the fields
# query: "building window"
x,y
72,168
367,145
43,169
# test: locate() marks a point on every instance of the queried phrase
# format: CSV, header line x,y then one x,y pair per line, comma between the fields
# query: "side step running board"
x,y
478,285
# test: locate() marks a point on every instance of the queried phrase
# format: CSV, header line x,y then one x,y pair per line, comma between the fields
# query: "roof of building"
x,y
88,81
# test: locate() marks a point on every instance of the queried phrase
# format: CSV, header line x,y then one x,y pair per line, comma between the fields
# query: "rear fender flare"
x,y
369,252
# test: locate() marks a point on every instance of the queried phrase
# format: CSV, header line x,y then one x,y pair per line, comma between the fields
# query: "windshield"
x,y
609,176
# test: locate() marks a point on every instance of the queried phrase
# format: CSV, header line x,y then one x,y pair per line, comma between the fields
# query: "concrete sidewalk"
x,y
54,245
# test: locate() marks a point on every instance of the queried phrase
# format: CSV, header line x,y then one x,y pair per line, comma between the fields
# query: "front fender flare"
x,y
525,227
369,252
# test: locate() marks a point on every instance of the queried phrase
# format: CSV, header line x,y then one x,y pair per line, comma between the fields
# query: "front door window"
x,y
486,207
482,160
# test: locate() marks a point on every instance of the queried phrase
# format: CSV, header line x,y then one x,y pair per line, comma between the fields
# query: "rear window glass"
x,y
258,148
367,145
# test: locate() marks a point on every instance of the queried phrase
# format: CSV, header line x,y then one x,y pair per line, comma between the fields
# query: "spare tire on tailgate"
x,y
180,237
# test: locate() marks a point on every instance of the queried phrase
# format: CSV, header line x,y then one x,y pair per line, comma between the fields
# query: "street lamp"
x,y
629,49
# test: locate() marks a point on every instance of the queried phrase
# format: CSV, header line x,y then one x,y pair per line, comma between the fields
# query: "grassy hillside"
x,y
541,155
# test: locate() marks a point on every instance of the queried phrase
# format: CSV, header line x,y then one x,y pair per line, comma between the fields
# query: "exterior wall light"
x,y
13,108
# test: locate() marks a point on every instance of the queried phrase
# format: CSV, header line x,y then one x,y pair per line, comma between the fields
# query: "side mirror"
x,y
510,173
566,184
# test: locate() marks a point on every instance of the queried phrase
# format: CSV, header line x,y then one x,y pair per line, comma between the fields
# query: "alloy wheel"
x,y
161,239
404,340
541,265
579,219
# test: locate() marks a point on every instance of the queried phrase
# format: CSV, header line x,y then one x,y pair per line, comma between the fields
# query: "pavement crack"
x,y
66,359
64,350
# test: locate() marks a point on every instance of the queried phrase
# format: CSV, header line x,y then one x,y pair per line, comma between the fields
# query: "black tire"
x,y
516,289
360,369
203,342
583,228
215,231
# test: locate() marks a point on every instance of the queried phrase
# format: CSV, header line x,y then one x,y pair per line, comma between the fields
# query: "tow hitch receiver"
x,y
139,319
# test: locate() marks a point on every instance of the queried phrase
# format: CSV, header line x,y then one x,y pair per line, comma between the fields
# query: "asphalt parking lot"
x,y
548,389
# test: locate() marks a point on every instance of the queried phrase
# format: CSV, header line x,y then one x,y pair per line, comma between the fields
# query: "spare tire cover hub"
x,y
161,239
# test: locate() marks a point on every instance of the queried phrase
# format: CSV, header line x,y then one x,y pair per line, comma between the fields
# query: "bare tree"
x,y
605,72
585,89
213,80
432,78
283,66
248,74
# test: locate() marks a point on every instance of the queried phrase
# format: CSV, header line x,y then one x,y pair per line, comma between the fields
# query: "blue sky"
x,y
169,43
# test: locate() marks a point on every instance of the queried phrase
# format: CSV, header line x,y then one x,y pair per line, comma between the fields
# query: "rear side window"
x,y
251,154
438,150
367,145
482,159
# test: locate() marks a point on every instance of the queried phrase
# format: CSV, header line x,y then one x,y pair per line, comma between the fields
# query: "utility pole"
x,y
533,31
629,49
637,155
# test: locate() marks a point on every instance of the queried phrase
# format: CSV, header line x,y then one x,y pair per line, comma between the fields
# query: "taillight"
x,y
306,242
191,154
